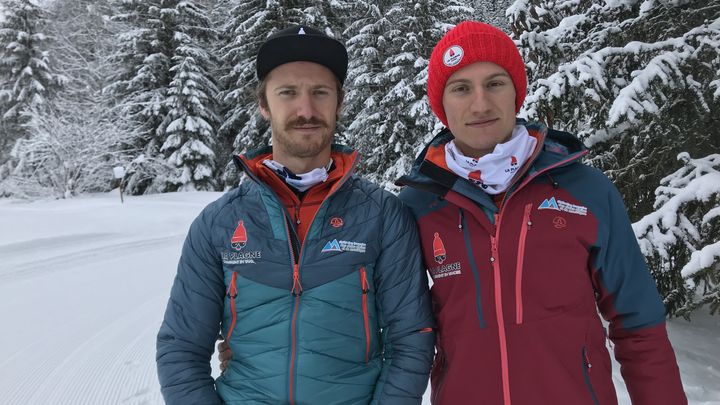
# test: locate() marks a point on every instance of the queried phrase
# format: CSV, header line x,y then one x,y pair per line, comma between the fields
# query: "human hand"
x,y
224,354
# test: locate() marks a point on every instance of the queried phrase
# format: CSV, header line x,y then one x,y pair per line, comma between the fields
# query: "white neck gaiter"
x,y
494,171
301,182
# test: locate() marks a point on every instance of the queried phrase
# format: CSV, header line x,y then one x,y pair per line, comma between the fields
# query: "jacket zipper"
x,y
494,259
435,395
526,224
587,366
296,291
296,250
473,267
365,288
232,294
494,241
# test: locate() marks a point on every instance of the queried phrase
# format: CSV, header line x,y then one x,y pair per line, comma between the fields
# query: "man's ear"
x,y
265,112
338,111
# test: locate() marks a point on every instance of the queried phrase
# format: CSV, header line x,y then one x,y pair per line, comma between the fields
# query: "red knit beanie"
x,y
467,43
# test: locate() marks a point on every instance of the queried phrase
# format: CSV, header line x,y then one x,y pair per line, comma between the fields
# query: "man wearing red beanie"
x,y
534,244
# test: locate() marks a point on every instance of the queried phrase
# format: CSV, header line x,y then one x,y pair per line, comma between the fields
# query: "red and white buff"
x,y
494,171
301,182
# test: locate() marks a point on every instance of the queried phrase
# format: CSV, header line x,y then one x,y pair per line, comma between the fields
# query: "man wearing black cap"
x,y
311,274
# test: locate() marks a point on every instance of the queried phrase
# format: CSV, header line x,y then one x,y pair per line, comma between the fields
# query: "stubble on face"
x,y
302,106
304,146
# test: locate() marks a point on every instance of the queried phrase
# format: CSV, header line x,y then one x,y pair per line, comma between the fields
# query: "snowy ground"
x,y
83,286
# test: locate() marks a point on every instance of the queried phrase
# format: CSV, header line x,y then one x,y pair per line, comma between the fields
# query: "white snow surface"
x,y
83,288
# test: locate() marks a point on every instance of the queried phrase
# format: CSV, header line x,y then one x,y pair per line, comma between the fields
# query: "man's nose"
x,y
304,106
480,102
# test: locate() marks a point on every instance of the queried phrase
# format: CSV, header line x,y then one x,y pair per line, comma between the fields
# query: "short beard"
x,y
299,148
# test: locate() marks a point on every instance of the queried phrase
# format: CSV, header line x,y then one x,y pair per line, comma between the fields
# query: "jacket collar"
x,y
553,148
247,162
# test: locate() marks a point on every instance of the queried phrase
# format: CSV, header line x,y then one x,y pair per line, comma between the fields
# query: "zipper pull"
x,y
363,281
297,287
587,361
493,249
232,290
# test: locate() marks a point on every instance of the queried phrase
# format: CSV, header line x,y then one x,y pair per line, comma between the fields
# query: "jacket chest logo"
x,y
440,256
344,246
559,205
239,236
238,241
337,222
439,249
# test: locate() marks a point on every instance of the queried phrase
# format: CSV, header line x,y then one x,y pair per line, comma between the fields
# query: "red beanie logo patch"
x,y
438,249
239,237
453,56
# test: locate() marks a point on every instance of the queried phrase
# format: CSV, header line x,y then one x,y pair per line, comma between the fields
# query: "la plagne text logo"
x,y
344,246
560,205
230,257
440,256
238,241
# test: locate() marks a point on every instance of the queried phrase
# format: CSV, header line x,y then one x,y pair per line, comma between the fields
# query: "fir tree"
x,y
83,41
366,46
638,81
27,80
190,123
683,234
395,117
140,87
73,140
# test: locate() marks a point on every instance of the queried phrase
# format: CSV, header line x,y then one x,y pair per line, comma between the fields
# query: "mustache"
x,y
306,121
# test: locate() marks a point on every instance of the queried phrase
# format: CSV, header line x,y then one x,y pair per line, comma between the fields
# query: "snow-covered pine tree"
x,y
82,43
26,77
250,23
638,81
67,153
190,122
73,140
683,233
395,117
143,60
366,46
492,12
221,16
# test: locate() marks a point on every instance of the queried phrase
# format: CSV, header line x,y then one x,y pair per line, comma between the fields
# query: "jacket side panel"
x,y
403,305
628,298
560,321
192,318
257,372
467,364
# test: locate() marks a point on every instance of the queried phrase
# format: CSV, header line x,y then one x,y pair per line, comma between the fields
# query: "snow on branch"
x,y
615,63
657,232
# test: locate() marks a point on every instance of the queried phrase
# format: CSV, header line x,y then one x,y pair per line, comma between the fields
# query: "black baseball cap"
x,y
302,43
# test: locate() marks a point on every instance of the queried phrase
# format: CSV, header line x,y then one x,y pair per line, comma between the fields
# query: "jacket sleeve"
x,y
405,311
628,299
191,325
